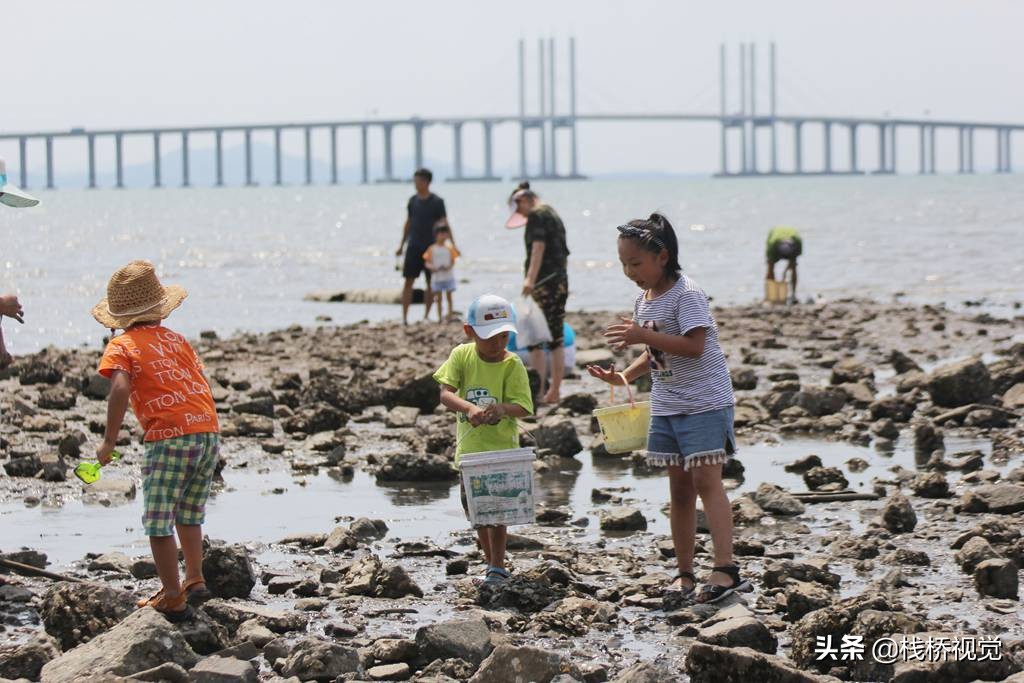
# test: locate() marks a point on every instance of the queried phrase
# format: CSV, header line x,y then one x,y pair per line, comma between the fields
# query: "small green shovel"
x,y
89,471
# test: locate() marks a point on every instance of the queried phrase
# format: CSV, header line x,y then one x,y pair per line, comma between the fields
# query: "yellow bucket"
x,y
776,291
624,427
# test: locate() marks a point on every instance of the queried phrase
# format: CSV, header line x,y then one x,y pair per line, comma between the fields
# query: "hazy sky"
x,y
129,63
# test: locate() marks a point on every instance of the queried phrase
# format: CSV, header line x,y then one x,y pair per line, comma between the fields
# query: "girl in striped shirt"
x,y
691,396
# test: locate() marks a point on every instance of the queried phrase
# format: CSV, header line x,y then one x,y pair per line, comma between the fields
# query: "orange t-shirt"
x,y
170,396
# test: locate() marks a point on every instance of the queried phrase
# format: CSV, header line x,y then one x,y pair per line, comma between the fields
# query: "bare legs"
x,y
553,394
492,540
539,362
684,488
165,556
407,299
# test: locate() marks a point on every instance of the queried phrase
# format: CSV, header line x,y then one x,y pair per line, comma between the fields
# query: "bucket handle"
x,y
629,390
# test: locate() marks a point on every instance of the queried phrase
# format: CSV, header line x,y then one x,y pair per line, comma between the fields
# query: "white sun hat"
x,y
12,195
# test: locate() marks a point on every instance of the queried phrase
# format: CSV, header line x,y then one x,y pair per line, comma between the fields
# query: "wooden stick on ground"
x,y
29,570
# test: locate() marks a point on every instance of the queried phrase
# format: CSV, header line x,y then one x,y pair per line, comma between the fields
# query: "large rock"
x,y
526,664
960,383
952,669
402,416
740,632
1014,397
820,477
27,660
836,621
235,614
898,514
394,582
74,613
927,437
975,551
1002,499
313,659
416,467
996,578
143,640
228,571
57,398
707,663
744,379
803,597
467,639
623,519
316,418
260,405
645,672
224,670
253,425
39,371
895,408
558,434
848,370
777,500
780,572
821,401
930,485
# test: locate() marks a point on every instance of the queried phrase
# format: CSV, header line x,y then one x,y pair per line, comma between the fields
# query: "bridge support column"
x,y
248,157
23,155
931,149
218,138
853,148
883,166
184,159
1008,154
92,161
277,156
388,175
364,136
334,155
827,132
49,162
118,161
724,161
488,150
307,134
922,165
970,150
744,154
960,150
798,162
457,151
418,144
156,160
892,148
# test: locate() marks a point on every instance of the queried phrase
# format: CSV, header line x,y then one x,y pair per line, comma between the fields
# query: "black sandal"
x,y
685,591
712,592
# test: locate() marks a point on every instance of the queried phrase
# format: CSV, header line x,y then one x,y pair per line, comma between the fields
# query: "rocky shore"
x,y
928,550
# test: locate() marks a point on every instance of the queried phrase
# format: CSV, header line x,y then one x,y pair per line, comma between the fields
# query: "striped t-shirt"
x,y
680,385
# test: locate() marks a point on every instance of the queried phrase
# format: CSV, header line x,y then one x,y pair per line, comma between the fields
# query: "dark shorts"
x,y
414,264
551,298
785,249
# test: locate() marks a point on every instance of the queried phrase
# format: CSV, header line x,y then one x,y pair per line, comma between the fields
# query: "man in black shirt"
x,y
425,210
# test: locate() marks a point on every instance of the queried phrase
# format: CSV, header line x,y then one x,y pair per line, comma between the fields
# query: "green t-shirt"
x,y
482,384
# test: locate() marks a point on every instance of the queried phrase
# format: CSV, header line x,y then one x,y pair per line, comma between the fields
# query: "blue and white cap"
x,y
11,195
489,315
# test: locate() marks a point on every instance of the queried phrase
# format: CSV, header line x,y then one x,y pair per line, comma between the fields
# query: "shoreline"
x,y
308,402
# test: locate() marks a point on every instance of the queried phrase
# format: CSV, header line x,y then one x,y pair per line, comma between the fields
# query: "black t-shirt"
x,y
544,225
423,215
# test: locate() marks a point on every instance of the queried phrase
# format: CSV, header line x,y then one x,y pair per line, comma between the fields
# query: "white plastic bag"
x,y
531,325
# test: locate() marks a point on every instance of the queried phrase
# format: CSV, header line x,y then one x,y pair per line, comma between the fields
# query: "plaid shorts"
x,y
176,477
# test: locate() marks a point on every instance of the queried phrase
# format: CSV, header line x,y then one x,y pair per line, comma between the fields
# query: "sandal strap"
x,y
732,571
686,575
191,583
499,571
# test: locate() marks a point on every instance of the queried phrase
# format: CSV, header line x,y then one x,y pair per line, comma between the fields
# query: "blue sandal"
x,y
496,575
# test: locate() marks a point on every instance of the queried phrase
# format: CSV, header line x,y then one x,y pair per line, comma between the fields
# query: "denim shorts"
x,y
691,440
442,285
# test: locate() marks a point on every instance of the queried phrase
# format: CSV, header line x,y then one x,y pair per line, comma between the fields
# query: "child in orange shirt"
x,y
439,259
158,372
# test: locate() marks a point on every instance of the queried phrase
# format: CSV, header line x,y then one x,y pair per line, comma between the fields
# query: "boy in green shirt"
x,y
784,243
489,389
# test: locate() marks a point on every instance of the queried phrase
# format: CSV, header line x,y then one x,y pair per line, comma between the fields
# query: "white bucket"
x,y
499,487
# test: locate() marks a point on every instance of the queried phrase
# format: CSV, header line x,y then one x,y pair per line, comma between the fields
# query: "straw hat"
x,y
134,294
